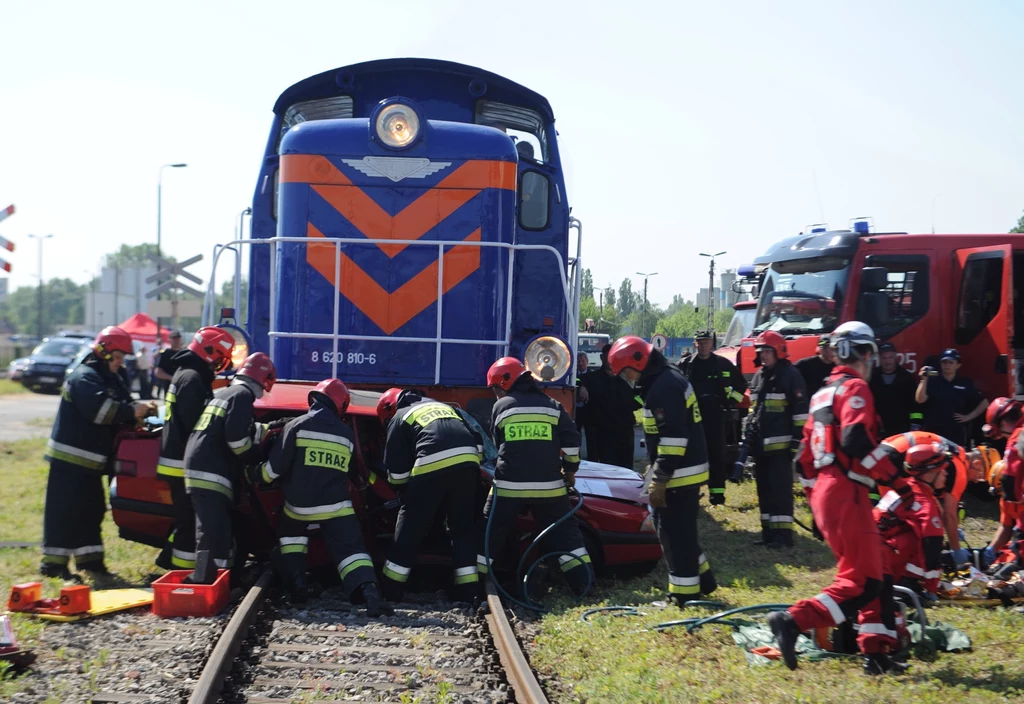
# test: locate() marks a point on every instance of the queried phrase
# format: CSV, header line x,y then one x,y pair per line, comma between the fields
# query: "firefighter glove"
x,y
569,477
657,495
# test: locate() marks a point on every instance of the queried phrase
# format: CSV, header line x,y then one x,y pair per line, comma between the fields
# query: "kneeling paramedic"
x,y
840,459
538,455
94,404
910,521
225,440
772,434
1004,419
433,460
312,458
190,390
679,464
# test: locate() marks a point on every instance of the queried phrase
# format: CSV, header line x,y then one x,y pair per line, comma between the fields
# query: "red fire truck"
x,y
921,292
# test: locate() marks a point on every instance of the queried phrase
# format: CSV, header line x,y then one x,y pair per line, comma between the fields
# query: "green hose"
x,y
693,624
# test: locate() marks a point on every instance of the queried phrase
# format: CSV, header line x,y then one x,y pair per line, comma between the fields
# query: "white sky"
x,y
688,125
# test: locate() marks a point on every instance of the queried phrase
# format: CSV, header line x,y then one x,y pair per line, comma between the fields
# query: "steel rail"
x,y
517,670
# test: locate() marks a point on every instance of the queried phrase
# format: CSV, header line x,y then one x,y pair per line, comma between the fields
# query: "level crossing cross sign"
x,y
168,273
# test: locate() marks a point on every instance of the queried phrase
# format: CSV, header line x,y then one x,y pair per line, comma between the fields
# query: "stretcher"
x,y
76,603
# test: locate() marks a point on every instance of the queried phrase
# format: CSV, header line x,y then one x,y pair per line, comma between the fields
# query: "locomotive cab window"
x,y
534,189
906,291
981,294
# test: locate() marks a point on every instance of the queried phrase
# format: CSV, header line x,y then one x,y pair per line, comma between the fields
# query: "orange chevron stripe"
x,y
390,311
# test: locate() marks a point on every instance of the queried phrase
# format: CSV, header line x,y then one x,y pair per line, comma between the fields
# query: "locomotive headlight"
x,y
241,350
397,125
547,358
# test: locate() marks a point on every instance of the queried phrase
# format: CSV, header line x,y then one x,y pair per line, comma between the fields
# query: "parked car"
x,y
45,369
616,524
16,368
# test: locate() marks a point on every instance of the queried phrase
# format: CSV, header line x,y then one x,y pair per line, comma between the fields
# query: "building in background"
x,y
117,294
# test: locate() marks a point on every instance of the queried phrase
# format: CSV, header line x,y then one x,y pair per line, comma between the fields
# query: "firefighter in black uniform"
x,y
433,458
816,370
225,440
719,387
538,455
610,421
772,435
312,458
679,463
893,388
94,404
190,390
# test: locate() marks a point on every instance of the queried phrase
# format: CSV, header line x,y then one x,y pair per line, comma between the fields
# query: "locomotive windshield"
x,y
803,296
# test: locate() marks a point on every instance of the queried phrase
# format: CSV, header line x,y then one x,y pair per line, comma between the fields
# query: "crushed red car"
x,y
616,524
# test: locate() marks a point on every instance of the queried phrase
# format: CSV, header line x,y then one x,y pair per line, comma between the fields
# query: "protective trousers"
x,y
344,538
843,512
689,573
454,492
773,474
905,561
714,434
214,526
72,516
180,552
616,447
565,538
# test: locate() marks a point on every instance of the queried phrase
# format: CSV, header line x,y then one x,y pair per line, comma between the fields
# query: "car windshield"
x,y
58,348
803,296
592,343
739,327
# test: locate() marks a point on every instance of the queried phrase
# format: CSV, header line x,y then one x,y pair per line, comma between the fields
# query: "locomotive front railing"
x,y
570,292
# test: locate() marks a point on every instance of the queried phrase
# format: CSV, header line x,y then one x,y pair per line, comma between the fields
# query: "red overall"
x,y
907,523
840,459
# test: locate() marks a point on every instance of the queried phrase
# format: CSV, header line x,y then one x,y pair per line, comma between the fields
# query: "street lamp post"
x,y
40,238
159,221
643,312
711,290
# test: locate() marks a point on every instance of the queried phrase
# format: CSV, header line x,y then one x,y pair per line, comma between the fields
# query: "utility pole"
x,y
39,322
600,309
711,291
643,312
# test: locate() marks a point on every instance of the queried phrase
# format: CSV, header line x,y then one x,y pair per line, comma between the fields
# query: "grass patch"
x,y
614,659
22,495
9,388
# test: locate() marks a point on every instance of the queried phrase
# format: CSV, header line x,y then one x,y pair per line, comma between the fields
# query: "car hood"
x,y
596,479
50,359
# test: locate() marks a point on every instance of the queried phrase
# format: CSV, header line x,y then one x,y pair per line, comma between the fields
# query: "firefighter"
x,y
679,465
772,434
910,521
433,458
611,421
311,458
816,369
840,458
224,441
190,390
538,455
1005,419
719,387
94,404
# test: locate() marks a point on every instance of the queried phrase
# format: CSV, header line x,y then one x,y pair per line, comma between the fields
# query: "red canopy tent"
x,y
141,327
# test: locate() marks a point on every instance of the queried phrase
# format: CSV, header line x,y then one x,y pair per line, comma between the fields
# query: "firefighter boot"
x,y
881,664
375,604
717,498
59,572
767,538
708,584
786,632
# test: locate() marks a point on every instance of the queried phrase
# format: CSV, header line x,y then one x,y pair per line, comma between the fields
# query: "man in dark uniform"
x,y
165,368
190,390
94,404
225,440
433,457
679,463
815,370
538,455
312,458
893,388
772,435
951,402
610,421
719,386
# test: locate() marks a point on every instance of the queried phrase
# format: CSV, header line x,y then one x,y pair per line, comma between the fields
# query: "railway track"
x,y
329,651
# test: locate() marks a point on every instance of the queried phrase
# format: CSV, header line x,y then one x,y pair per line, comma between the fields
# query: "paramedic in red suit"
x,y
840,460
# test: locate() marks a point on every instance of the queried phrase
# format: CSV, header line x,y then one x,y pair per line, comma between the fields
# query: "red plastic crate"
x,y
172,599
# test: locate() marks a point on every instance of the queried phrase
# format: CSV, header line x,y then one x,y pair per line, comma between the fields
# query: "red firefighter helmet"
x,y
387,406
629,352
335,391
214,346
921,459
777,342
260,369
1001,409
112,339
504,372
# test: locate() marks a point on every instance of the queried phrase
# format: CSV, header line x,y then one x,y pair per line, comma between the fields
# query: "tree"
x,y
226,298
587,286
133,255
627,299
609,299
1019,229
63,301
723,318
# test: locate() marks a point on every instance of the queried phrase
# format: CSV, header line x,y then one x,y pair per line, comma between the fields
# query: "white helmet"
x,y
848,336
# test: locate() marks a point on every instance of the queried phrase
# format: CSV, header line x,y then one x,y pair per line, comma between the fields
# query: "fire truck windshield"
x,y
803,296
